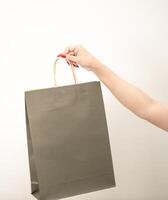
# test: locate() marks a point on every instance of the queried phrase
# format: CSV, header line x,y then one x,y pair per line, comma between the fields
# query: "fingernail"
x,y
62,55
75,65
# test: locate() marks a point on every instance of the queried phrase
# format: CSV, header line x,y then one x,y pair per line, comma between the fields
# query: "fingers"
x,y
72,58
72,50
71,53
72,63
69,49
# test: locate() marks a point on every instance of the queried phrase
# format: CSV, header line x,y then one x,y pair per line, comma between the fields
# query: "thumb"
x,y
72,58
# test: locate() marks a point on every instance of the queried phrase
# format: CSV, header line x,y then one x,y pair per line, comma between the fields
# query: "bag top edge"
x,y
64,86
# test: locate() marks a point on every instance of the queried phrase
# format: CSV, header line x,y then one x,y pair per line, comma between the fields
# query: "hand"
x,y
79,55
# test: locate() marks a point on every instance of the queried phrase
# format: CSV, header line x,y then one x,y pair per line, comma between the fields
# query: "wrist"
x,y
96,66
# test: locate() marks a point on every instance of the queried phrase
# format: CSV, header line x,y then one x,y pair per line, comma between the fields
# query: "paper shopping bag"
x,y
68,141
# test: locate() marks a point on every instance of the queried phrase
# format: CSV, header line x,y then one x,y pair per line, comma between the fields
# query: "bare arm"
x,y
130,96
133,98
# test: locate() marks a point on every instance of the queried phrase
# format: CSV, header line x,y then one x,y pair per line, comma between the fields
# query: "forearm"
x,y
130,96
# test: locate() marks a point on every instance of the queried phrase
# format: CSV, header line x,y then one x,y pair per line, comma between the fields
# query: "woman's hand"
x,y
130,96
78,55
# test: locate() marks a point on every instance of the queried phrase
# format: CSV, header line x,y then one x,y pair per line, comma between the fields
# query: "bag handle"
x,y
55,66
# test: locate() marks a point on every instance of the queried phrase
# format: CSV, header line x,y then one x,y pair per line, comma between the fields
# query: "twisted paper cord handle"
x,y
54,69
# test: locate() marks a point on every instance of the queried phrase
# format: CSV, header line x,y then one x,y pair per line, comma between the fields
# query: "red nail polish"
x,y
75,65
62,55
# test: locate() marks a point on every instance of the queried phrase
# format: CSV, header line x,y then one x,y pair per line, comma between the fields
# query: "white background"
x,y
129,36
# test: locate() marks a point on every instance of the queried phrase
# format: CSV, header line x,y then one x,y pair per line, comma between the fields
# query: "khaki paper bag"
x,y
68,141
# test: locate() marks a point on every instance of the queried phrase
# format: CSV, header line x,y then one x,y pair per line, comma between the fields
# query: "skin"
x,y
127,94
